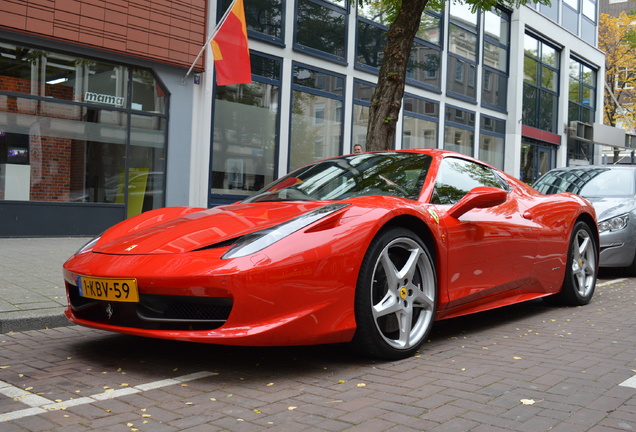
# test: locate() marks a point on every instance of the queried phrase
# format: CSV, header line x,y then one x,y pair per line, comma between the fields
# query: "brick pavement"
x,y
526,368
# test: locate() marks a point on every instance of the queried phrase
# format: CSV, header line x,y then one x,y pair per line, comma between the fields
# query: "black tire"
x,y
396,296
631,269
582,267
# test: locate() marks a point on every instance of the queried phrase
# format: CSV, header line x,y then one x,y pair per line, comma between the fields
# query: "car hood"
x,y
198,229
610,207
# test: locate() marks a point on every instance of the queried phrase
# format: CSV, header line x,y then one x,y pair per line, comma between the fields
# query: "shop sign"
x,y
103,98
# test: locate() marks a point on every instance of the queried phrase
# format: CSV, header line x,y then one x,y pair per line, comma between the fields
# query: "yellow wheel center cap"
x,y
403,293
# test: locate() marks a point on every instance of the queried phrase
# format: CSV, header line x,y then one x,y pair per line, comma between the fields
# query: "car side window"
x,y
456,177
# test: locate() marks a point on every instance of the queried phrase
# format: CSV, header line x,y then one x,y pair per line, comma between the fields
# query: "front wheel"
x,y
395,296
582,267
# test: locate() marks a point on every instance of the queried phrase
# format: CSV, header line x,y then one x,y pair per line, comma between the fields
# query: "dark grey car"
x,y
612,191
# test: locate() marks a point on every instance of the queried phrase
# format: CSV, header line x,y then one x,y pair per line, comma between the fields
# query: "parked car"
x,y
612,191
367,248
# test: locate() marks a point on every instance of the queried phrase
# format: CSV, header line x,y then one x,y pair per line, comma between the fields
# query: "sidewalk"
x,y
32,294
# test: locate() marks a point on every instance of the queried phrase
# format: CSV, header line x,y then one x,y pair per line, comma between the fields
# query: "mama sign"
x,y
103,98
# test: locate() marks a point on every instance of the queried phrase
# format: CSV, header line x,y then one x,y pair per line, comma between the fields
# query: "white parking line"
x,y
629,382
613,281
40,405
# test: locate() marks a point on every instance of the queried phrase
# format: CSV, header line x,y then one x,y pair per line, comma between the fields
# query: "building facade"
x,y
98,120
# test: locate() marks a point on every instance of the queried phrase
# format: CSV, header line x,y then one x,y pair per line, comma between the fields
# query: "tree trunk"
x,y
387,98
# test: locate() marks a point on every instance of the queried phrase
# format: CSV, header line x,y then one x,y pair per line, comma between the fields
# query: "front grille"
x,y
154,312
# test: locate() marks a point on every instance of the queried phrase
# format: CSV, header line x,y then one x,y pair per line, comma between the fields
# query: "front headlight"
x,y
259,240
614,224
88,245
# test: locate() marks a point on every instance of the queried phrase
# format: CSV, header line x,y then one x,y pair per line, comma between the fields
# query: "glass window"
x,y
494,92
492,141
541,84
373,11
371,39
581,105
362,92
589,9
462,13
530,70
457,177
497,26
588,31
495,57
423,66
463,49
243,157
531,46
462,80
315,90
321,29
349,176
79,134
420,122
462,42
147,94
550,10
263,18
459,130
430,28
570,18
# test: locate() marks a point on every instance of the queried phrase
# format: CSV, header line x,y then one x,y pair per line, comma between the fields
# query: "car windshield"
x,y
601,182
397,174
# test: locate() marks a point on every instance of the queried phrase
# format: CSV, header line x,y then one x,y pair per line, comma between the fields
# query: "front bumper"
x,y
197,297
618,248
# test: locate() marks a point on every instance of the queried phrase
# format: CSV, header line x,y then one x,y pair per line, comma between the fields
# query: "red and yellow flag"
x,y
230,49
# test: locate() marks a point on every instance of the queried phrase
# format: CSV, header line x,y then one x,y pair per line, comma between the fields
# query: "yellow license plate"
x,y
119,290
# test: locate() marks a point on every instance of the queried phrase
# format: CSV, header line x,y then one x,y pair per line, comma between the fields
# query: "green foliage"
x,y
392,7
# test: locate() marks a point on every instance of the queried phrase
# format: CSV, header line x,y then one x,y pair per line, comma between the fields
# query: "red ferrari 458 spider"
x,y
368,248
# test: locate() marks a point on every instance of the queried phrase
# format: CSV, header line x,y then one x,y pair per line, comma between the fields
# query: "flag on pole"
x,y
230,49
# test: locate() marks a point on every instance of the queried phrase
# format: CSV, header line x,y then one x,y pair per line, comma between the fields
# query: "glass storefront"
x,y
245,137
79,130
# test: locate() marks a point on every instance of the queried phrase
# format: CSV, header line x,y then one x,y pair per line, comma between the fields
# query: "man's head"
x,y
357,148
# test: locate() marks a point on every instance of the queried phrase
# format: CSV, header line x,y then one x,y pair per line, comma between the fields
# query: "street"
x,y
529,367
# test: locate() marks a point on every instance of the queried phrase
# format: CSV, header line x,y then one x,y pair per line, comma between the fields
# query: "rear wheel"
x,y
582,267
395,296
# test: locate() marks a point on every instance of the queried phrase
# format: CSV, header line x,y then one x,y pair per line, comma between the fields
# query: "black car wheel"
x,y
582,267
395,296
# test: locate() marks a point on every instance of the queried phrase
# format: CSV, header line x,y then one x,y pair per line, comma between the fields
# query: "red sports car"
x,y
368,248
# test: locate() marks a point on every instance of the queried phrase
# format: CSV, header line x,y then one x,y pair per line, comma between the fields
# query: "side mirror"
x,y
479,197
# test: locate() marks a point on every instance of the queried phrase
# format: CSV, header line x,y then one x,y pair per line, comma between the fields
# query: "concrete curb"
x,y
32,320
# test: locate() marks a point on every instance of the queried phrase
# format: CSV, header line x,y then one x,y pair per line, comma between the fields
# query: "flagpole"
x,y
207,42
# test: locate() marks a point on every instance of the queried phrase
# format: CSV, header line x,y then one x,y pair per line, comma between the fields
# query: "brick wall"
x,y
54,183
167,31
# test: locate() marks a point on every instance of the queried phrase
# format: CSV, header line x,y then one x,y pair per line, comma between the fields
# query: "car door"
x,y
489,250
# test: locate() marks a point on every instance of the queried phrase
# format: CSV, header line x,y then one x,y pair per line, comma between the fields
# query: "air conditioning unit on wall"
x,y
581,131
